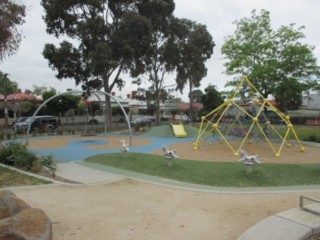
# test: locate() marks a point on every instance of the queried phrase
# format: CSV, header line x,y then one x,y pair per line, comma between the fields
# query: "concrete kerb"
x,y
293,224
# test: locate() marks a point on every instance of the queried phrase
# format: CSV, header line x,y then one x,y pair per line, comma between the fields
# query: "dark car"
x,y
17,123
42,123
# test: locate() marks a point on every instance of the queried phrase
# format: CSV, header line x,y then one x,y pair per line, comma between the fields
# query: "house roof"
x,y
135,102
20,96
186,106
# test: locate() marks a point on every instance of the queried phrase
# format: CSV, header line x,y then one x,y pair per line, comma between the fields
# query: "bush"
x,y
312,138
44,162
93,122
9,150
16,154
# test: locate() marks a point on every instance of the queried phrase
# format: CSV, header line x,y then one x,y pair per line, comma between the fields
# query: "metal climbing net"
x,y
245,117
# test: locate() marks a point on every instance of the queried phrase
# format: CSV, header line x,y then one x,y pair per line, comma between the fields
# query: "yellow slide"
x,y
178,130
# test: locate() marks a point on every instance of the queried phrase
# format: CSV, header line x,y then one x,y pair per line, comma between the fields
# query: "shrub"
x,y
312,138
44,162
93,122
9,150
8,135
17,155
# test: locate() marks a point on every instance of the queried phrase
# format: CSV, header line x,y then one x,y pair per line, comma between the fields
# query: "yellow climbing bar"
x,y
242,117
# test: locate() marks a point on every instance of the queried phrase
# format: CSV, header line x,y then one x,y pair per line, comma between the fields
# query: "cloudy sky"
x,y
28,67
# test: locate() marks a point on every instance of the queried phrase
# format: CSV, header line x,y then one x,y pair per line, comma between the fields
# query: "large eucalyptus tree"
x,y
157,61
11,15
108,37
195,46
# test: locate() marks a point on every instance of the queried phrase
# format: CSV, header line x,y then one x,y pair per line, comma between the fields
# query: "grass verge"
x,y
214,173
10,178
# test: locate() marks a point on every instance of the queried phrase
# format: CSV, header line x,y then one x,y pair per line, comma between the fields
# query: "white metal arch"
x,y
80,92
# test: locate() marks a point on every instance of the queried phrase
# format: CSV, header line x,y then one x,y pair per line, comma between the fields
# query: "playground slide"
x,y
178,130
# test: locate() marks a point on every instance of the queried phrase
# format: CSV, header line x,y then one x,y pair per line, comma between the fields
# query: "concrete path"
x,y
81,174
294,224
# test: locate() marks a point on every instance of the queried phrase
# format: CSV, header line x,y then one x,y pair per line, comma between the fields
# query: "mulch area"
x,y
62,141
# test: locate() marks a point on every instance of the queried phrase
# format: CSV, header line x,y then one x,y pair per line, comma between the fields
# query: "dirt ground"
x,y
130,209
135,210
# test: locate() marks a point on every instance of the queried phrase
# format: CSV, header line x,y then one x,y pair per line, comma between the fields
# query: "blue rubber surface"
x,y
76,150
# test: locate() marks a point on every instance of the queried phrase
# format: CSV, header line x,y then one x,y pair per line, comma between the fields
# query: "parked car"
x,y
42,123
17,123
142,121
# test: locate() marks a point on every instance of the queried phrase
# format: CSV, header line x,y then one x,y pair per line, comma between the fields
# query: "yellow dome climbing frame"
x,y
235,120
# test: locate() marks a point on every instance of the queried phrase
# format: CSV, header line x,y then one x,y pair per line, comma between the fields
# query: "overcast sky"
x,y
28,67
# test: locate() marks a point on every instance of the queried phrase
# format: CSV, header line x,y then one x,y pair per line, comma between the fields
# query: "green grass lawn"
x,y
214,173
308,133
10,178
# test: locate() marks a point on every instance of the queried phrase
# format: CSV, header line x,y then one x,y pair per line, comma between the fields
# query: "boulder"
x,y
28,224
10,204
18,221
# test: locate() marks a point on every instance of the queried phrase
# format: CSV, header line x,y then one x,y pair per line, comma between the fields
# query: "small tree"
x,y
6,85
149,95
197,95
211,99
93,107
270,58
60,105
288,95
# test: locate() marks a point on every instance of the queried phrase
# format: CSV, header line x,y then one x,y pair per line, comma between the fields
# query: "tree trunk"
x,y
191,102
108,107
158,109
157,90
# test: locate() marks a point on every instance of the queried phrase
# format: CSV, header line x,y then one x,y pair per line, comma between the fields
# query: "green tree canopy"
x,y
149,95
197,95
211,99
156,61
271,59
181,46
288,95
112,36
6,85
194,46
61,104
11,15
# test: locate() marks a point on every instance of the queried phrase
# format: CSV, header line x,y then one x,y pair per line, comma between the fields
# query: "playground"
x,y
130,207
126,208
214,151
135,209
